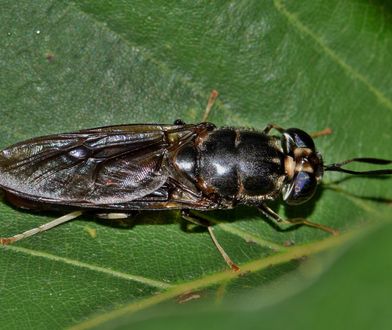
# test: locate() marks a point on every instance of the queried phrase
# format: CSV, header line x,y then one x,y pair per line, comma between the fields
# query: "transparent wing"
x,y
107,165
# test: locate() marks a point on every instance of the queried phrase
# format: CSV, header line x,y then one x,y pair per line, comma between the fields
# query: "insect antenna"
x,y
337,167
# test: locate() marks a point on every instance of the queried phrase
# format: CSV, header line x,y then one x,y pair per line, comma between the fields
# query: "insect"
x,y
116,170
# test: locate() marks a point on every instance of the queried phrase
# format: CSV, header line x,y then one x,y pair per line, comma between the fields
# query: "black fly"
x,y
116,170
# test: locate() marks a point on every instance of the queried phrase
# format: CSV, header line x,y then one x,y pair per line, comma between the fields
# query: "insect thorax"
x,y
238,165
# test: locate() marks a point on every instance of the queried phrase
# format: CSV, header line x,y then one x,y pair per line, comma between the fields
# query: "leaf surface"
x,y
72,65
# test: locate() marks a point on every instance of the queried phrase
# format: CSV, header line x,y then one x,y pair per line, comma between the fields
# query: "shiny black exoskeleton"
x,y
249,167
181,166
115,170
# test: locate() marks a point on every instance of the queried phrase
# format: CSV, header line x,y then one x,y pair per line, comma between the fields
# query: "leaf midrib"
x,y
225,276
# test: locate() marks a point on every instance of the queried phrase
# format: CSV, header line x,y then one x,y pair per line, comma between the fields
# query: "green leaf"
x,y
353,293
308,64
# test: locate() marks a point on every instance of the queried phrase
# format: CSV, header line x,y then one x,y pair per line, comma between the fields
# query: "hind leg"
x,y
40,229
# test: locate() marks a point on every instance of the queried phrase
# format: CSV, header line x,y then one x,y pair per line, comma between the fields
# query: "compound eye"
x,y
296,138
301,189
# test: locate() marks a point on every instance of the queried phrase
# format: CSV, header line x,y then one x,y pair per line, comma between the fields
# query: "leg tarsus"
x,y
6,240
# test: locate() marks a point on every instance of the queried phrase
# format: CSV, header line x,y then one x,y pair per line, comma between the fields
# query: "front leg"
x,y
269,127
277,220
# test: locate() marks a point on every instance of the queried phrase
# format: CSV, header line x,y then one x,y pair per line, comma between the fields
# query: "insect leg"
x,y
113,216
268,128
119,219
185,214
293,222
40,229
211,100
179,122
223,253
325,131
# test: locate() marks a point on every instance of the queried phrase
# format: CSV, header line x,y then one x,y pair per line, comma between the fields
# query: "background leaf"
x,y
349,294
72,65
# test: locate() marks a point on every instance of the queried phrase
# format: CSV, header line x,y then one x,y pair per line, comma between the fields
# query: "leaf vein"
x,y
222,277
165,68
80,264
302,28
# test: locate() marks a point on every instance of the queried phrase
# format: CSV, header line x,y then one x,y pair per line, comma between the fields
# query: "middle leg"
x,y
186,215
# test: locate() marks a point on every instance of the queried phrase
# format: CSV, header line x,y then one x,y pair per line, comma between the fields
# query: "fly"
x,y
117,170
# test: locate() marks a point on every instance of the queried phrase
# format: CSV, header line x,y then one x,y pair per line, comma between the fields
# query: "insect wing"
x,y
106,165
